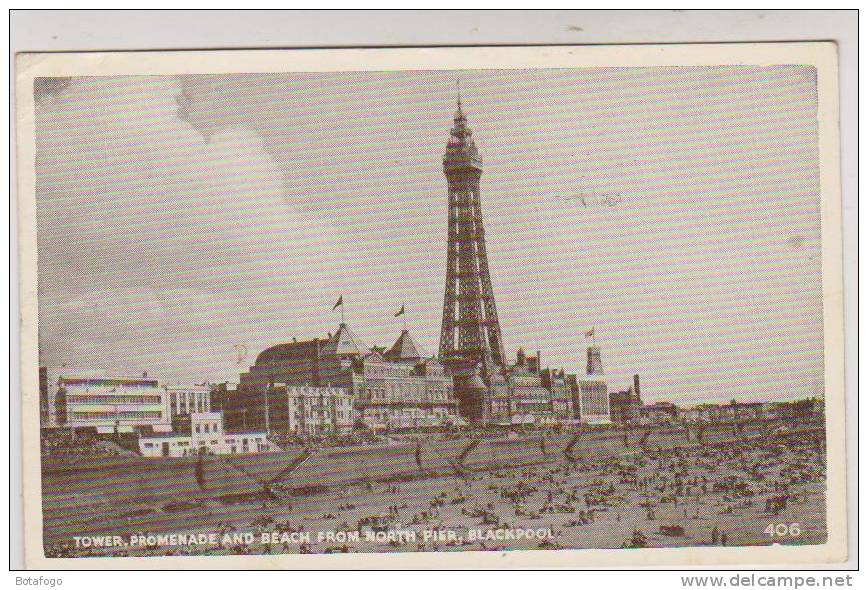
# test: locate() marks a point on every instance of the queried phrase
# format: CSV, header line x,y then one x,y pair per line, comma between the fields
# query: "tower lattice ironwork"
x,y
470,330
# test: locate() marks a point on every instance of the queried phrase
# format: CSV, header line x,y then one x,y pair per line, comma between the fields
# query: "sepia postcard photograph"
x,y
445,308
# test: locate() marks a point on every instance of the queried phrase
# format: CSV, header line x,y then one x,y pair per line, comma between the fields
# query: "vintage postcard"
x,y
438,308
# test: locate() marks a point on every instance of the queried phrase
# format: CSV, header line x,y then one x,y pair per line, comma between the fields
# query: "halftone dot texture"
x,y
674,210
591,490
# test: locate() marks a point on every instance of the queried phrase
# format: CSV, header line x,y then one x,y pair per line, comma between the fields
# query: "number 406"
x,y
783,530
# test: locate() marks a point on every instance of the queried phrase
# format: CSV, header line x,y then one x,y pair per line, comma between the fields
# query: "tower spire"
x,y
458,94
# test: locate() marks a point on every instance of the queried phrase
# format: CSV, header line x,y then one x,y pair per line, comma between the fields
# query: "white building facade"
x,y
316,410
590,392
112,404
593,401
188,399
206,437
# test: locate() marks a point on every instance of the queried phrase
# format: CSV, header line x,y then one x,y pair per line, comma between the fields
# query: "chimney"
x,y
636,388
519,357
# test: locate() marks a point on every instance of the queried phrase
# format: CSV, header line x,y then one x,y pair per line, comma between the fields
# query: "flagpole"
x,y
340,303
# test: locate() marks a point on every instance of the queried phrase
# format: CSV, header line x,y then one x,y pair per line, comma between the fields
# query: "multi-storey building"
x,y
52,405
188,399
45,413
112,404
397,388
555,381
402,388
626,406
590,392
308,409
531,403
537,396
292,362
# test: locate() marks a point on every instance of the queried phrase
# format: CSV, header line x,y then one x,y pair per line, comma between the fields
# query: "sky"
x,y
185,224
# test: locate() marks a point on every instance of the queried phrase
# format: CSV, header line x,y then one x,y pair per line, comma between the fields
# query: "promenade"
x,y
596,495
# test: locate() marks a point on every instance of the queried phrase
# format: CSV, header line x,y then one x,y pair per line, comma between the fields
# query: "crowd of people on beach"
x,y
650,497
348,439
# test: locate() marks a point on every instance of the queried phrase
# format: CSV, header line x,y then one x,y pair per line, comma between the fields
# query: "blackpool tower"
x,y
470,336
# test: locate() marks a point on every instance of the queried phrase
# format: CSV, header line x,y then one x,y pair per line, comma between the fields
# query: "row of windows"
x,y
181,443
115,399
526,382
188,403
189,397
594,405
534,407
243,441
129,415
324,415
99,382
405,393
320,401
382,413
386,371
595,399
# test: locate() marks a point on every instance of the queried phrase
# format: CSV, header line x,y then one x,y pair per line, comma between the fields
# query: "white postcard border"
x,y
822,55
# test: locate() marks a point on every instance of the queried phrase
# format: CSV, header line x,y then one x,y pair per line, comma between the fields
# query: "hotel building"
x,y
307,409
396,388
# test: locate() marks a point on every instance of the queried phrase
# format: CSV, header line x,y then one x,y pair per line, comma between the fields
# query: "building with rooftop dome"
x,y
292,362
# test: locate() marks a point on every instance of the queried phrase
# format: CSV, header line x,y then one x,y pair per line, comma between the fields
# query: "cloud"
x,y
179,218
154,242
